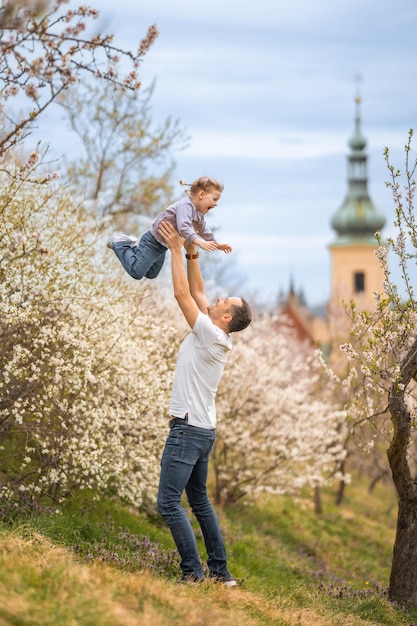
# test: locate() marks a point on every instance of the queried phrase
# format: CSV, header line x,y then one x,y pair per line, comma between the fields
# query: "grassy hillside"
x,y
101,564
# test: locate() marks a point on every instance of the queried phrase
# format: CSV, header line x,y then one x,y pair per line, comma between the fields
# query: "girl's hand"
x,y
225,247
206,245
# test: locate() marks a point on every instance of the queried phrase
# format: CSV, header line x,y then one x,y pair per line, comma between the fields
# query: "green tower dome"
x,y
357,219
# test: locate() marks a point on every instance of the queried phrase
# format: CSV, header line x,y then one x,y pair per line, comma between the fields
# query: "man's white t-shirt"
x,y
200,364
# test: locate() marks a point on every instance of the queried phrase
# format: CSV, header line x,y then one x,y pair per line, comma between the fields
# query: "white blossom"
x,y
87,361
278,428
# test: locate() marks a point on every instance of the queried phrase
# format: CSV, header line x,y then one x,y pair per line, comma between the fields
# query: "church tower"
x,y
355,270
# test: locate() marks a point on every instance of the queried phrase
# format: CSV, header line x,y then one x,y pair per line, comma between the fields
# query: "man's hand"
x,y
172,238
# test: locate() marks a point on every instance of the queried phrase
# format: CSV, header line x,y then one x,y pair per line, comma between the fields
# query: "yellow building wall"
x,y
346,262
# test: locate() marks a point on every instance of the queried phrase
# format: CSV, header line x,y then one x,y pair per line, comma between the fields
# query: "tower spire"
x,y
358,79
356,271
357,218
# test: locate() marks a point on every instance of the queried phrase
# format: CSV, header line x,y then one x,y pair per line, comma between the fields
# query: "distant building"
x,y
309,326
356,273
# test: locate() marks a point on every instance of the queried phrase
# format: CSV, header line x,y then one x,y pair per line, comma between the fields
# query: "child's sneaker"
x,y
120,238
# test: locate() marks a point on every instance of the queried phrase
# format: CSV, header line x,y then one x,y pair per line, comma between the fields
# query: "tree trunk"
x,y
383,474
403,578
342,485
318,509
340,492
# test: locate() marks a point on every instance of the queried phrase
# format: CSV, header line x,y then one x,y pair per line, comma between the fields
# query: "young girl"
x,y
146,256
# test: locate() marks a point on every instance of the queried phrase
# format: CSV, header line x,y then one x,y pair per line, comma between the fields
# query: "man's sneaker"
x,y
187,579
121,238
226,579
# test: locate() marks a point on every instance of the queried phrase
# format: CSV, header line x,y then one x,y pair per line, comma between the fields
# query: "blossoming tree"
x,y
81,369
278,428
381,383
84,360
44,49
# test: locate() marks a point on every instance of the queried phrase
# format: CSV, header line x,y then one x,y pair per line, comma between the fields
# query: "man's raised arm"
x,y
195,279
182,291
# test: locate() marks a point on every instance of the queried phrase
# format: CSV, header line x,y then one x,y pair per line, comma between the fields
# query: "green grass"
x,y
99,562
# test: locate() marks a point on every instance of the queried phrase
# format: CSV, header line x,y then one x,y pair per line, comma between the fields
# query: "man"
x,y
200,364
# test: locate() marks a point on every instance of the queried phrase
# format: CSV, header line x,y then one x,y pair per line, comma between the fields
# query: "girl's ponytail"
x,y
204,182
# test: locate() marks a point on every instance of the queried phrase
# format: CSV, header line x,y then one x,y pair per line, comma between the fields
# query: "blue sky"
x,y
266,93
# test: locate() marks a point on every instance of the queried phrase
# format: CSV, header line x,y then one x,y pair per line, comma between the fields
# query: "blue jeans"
x,y
184,465
145,259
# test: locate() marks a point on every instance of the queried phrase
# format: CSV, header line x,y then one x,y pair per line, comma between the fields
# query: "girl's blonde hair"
x,y
205,183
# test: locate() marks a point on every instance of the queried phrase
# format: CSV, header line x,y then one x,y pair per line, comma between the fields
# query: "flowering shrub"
x,y
278,429
86,364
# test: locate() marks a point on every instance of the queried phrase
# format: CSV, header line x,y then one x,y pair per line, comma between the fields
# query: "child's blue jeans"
x,y
145,259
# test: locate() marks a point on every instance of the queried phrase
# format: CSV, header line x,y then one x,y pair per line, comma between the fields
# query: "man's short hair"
x,y
241,317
